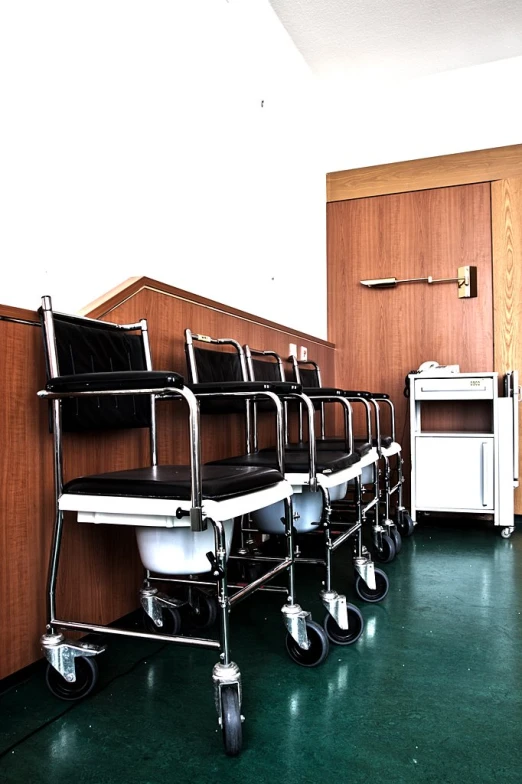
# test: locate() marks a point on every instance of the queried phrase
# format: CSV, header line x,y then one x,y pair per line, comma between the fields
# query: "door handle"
x,y
485,470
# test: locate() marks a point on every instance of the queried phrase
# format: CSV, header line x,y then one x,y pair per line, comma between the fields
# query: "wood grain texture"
x,y
381,335
506,208
26,503
426,173
100,571
10,312
116,297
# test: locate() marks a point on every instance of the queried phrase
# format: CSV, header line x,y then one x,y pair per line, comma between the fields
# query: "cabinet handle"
x,y
485,471
515,393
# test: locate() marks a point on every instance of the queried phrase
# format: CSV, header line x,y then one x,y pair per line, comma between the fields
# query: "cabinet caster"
x,y
505,533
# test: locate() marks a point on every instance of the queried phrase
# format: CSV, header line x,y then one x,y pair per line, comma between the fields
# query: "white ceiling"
x,y
362,40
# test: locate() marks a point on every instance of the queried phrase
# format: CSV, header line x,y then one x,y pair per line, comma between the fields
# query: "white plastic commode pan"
x,y
307,504
179,550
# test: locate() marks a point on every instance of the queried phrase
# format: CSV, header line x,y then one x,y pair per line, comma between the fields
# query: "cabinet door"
x,y
454,473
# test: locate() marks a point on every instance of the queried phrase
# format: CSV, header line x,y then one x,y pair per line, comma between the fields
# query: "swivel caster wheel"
x,y
386,552
202,610
171,622
86,680
231,728
405,523
382,586
316,653
345,636
397,539
505,533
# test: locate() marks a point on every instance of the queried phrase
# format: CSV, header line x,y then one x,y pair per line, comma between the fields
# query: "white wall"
x,y
133,142
456,111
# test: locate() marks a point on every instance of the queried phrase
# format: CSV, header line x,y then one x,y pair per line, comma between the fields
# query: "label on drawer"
x,y
454,388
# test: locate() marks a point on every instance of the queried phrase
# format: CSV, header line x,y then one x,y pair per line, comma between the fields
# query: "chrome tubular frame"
x,y
251,376
148,365
279,415
190,337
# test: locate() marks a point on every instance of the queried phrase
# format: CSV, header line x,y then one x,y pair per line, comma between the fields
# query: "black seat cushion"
x,y
362,447
277,387
122,379
295,462
219,482
332,444
326,391
386,441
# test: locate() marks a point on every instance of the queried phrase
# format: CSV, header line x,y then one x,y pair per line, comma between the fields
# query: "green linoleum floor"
x,y
431,693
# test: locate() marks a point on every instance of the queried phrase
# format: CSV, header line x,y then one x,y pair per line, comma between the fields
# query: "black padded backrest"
x,y
217,366
265,370
309,377
84,346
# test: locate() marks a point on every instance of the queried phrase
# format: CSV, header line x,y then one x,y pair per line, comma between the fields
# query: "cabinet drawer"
x,y
454,473
447,388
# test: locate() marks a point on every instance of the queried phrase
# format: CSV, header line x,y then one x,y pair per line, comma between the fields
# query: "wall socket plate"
x,y
303,353
292,350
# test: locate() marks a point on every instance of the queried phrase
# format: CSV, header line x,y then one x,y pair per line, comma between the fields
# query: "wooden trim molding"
x,y
129,288
506,203
18,314
438,172
506,226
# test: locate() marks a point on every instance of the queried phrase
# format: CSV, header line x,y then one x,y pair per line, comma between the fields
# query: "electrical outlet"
x,y
292,350
303,353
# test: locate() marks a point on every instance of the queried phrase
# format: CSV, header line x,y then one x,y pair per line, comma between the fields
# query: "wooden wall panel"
x,y
26,506
100,571
380,335
506,206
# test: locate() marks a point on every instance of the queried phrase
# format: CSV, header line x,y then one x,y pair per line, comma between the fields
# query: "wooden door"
x,y
381,335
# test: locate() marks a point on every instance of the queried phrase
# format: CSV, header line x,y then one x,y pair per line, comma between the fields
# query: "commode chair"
x,y
315,478
267,364
386,450
100,378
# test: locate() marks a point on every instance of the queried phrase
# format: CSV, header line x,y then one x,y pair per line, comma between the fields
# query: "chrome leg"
x,y
53,570
289,522
334,602
220,571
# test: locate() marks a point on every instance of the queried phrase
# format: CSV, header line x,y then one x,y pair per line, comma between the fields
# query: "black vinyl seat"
x,y
278,388
295,462
122,379
218,482
332,444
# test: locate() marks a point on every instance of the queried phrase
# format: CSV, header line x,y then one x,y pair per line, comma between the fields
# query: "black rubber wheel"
x,y
397,539
405,523
369,595
386,552
231,721
203,610
171,622
316,653
86,680
345,636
